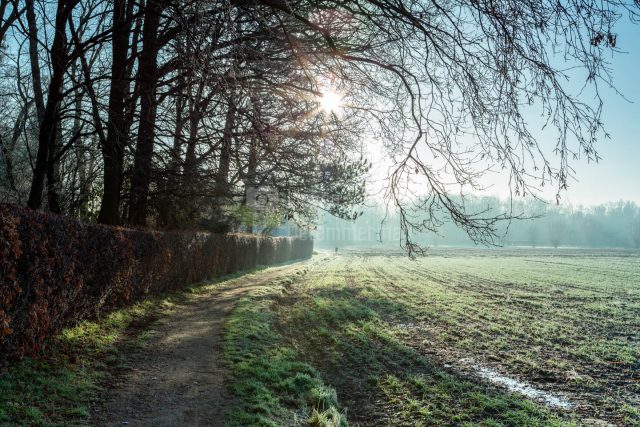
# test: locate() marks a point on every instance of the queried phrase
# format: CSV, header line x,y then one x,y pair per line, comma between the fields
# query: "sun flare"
x,y
330,101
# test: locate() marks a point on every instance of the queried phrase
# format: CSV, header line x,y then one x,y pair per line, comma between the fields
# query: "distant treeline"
x,y
615,224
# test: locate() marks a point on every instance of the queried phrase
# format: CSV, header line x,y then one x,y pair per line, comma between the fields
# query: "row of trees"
x,y
169,112
611,225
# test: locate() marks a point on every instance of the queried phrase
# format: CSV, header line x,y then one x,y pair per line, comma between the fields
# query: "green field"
x,y
376,339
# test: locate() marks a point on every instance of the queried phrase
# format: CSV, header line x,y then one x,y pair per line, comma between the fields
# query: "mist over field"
x,y
610,225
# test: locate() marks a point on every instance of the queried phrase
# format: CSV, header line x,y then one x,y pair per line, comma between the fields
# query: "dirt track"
x,y
180,378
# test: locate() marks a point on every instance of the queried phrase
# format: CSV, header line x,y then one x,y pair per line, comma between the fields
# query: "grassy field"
x,y
462,337
363,338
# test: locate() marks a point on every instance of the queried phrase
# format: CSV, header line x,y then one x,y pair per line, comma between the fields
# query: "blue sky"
x,y
617,175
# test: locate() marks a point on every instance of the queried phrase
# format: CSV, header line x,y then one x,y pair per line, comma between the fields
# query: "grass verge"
x,y
59,388
272,385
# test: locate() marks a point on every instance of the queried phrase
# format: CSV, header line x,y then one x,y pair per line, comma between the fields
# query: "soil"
x,y
180,379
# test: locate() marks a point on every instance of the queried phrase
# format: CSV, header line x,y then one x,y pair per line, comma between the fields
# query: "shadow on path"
x,y
180,377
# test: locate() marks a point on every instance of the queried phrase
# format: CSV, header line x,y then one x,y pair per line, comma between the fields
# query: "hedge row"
x,y
55,271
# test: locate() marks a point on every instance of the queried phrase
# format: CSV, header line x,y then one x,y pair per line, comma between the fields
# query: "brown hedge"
x,y
55,271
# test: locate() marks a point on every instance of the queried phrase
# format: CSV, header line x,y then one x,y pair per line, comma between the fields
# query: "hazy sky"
x,y
617,175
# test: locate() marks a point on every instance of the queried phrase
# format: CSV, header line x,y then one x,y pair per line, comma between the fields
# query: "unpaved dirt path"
x,y
180,379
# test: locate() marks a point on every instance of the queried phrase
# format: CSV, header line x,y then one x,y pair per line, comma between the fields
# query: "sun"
x,y
330,101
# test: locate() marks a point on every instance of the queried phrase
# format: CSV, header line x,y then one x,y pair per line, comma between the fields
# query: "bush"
x,y
55,271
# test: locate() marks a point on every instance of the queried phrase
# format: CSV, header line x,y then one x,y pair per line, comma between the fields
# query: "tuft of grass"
x,y
328,418
631,415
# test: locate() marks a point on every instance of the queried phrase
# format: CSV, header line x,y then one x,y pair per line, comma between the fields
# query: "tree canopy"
x,y
173,114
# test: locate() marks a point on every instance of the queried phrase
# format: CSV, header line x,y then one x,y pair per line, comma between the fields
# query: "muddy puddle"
x,y
521,387
469,367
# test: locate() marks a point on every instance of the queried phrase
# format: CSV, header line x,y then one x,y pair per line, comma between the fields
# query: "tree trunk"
x,y
6,24
250,180
49,122
221,190
113,146
80,172
34,61
7,150
6,155
190,161
148,108
53,173
222,175
169,186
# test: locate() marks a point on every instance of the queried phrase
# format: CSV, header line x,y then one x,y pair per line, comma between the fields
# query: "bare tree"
x,y
49,121
114,145
457,79
635,232
557,229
